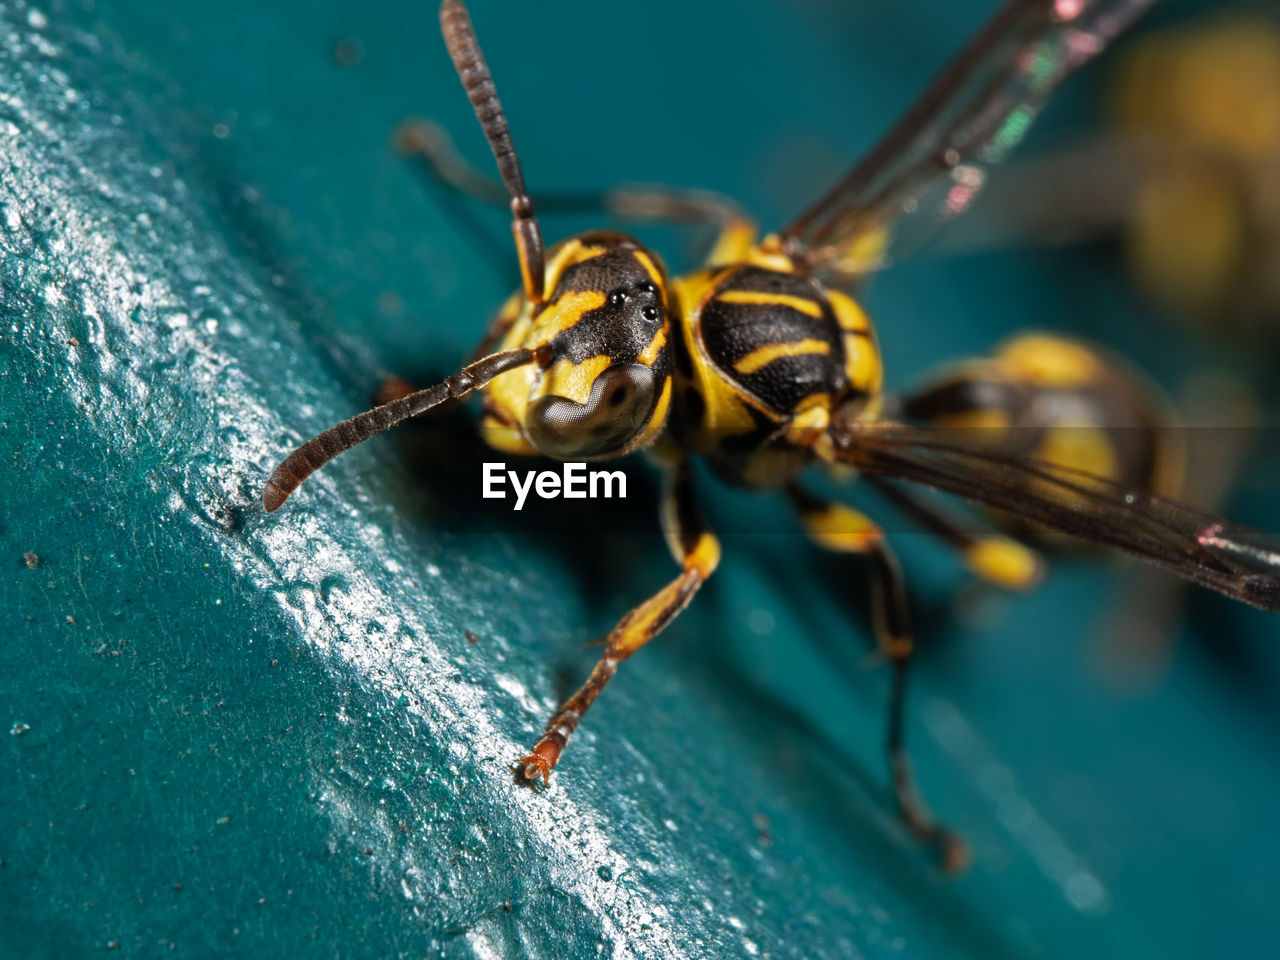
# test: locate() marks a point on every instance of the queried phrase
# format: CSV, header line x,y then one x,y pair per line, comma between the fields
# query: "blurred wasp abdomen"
x,y
1064,402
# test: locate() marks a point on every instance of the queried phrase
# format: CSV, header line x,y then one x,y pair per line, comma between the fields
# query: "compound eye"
x,y
620,406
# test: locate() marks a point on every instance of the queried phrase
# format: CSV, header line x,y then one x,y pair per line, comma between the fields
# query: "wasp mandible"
x,y
763,364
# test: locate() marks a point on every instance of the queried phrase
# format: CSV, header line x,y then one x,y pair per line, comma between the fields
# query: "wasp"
x,y
764,364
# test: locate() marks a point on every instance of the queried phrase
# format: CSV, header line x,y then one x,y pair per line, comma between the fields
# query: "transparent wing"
x,y
931,165
1238,561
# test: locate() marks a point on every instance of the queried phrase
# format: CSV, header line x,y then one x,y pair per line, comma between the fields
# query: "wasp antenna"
x,y
319,450
460,38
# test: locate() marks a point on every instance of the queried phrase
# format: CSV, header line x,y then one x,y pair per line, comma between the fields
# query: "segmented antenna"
x,y
318,451
460,38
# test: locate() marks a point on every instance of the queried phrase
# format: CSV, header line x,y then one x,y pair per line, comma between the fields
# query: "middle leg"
x,y
844,530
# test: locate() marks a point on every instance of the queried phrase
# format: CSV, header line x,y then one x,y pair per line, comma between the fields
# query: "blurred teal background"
x,y
233,735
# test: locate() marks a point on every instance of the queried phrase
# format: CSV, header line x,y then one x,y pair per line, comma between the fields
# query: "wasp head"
x,y
607,388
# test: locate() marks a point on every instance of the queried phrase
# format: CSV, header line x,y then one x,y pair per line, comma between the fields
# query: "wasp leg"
x,y
698,552
428,142
999,560
845,530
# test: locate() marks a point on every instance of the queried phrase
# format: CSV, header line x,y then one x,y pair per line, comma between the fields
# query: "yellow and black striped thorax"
x,y
607,387
765,350
1064,402
773,335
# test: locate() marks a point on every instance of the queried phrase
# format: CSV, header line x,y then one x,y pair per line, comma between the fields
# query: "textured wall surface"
x,y
228,734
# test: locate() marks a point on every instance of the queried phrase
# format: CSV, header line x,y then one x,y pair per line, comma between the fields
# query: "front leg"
x,y
698,552
842,529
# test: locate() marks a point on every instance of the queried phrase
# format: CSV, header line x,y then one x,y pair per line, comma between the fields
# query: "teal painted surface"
x,y
229,734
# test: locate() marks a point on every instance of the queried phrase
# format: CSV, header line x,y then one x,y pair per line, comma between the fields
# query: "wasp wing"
x,y
934,161
1232,559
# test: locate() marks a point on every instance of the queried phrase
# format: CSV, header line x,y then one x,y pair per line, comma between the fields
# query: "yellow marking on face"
x,y
575,251
650,353
655,274
514,326
562,313
566,254
759,299
586,251
570,380
1049,361
1004,562
506,398
848,313
842,529
763,356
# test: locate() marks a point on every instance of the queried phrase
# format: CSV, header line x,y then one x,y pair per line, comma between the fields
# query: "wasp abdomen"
x,y
1055,399
775,336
